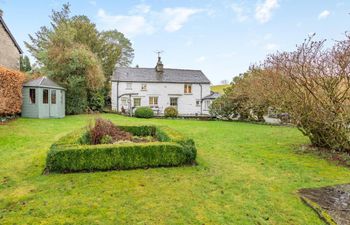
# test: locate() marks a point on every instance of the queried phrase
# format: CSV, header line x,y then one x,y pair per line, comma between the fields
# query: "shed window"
x,y
45,96
53,96
32,95
188,89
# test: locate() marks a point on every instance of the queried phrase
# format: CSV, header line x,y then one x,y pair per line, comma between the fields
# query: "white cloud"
x,y
263,11
271,47
142,20
240,12
324,14
141,9
129,24
177,17
201,59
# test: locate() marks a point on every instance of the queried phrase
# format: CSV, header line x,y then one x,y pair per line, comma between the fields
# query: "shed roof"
x,y
42,82
10,34
213,95
128,74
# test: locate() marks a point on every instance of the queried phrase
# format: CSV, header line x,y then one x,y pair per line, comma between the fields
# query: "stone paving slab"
x,y
331,203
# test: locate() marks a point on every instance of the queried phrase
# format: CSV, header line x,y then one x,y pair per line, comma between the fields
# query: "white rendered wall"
x,y
186,102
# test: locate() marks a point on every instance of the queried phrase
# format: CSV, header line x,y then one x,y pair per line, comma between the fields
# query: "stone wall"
x,y
9,55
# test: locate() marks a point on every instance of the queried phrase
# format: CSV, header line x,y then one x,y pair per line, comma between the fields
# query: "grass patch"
x,y
246,174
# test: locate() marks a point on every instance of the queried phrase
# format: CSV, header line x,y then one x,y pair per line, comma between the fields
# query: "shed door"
x,y
53,103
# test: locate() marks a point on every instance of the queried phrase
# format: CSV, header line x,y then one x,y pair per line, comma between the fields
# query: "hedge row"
x,y
172,149
11,82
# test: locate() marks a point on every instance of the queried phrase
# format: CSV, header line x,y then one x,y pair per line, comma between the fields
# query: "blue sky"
x,y
222,38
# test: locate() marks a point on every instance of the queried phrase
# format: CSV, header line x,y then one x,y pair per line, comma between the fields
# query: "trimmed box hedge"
x,y
68,154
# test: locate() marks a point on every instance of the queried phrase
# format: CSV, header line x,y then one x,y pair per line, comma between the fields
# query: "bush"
x,y
144,112
172,149
101,129
76,96
170,112
10,91
96,101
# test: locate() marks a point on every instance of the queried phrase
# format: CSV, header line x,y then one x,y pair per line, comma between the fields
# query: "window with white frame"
x,y
129,85
188,88
198,103
143,87
137,102
153,101
173,102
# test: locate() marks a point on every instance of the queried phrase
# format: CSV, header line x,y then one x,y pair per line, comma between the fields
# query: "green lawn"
x,y
247,174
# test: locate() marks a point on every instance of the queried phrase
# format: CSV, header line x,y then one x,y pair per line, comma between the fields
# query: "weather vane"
x,y
159,52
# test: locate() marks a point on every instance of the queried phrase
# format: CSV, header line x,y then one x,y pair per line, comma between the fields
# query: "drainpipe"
x,y
117,96
201,98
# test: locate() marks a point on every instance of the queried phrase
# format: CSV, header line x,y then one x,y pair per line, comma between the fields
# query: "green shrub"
x,y
170,112
76,96
144,112
96,101
72,154
106,139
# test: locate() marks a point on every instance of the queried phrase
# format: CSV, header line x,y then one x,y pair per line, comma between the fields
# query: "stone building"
x,y
10,51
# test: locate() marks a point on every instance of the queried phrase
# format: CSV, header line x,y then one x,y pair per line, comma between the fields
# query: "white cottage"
x,y
159,88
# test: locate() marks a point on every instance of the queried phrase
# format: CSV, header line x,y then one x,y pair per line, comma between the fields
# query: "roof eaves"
x,y
10,34
173,82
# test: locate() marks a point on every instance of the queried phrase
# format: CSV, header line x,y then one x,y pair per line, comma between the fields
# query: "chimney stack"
x,y
159,66
1,13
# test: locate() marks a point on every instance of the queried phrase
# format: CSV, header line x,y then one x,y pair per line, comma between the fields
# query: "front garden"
x,y
245,174
105,146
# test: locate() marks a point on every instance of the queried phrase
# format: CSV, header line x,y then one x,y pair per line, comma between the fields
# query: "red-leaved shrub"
x,y
11,82
103,128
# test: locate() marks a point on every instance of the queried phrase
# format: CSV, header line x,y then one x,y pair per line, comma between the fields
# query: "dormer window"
x,y
143,87
188,89
129,86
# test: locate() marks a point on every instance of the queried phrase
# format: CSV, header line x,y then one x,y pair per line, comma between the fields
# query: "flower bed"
x,y
71,153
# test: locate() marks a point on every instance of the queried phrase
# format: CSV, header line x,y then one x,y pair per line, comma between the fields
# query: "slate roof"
x,y
10,34
42,82
150,75
213,95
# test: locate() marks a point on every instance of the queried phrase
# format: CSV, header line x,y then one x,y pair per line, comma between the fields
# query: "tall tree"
x,y
24,64
72,46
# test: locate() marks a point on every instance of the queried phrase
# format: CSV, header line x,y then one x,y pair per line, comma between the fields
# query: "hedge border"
x,y
172,149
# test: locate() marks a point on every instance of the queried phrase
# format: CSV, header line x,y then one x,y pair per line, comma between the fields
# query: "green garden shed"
x,y
43,98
